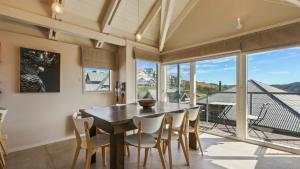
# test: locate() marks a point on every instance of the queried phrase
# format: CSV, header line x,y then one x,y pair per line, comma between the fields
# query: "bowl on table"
x,y
147,103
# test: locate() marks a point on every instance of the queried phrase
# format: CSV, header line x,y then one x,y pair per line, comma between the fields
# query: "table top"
x,y
222,103
115,115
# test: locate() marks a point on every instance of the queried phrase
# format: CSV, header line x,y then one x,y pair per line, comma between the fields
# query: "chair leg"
x,y
164,146
199,143
128,151
187,148
161,157
75,157
139,156
88,160
146,156
103,156
3,146
184,150
1,164
170,154
2,157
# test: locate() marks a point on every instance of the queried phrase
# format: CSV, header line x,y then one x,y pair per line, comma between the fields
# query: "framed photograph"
x,y
96,80
39,71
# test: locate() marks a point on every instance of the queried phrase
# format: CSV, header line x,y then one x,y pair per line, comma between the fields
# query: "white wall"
x,y
40,118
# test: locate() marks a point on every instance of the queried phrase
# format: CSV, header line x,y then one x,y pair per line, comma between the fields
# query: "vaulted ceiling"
x,y
164,24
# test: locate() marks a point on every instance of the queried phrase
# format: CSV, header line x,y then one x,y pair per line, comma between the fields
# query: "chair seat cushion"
x,y
147,140
97,141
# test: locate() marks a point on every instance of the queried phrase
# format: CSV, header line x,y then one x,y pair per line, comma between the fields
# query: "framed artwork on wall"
x,y
39,71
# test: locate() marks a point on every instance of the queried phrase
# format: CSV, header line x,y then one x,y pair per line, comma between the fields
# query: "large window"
x,y
96,80
216,92
274,96
178,83
146,80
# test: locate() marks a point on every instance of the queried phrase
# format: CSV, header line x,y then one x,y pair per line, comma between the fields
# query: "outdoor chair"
x,y
255,120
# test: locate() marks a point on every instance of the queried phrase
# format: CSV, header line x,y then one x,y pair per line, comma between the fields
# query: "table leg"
x,y
117,151
93,133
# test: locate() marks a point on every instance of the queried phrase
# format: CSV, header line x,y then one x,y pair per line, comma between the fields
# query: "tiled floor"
x,y
220,153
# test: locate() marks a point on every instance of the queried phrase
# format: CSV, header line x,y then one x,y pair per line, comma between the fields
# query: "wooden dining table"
x,y
117,120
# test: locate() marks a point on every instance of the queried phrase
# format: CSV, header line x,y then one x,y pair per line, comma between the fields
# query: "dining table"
x,y
116,120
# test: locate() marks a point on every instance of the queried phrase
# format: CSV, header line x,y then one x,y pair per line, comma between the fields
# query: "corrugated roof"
x,y
284,111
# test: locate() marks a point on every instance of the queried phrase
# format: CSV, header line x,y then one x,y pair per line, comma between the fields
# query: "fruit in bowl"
x,y
147,103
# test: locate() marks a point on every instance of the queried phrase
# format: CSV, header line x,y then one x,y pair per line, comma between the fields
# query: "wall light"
x,y
57,8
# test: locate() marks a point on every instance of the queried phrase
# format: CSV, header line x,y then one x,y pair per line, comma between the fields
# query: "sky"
x,y
275,67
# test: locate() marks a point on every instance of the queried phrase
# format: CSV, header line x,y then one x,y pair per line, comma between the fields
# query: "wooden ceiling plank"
x,y
180,18
109,14
149,18
166,23
46,22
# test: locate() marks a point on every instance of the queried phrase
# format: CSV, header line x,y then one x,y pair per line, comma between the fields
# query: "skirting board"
x,y
11,150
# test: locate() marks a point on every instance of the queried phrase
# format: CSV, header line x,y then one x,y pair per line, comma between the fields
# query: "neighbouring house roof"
x,y
284,111
174,96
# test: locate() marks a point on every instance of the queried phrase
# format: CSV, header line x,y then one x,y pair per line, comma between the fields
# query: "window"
x,y
216,91
274,96
96,79
146,80
178,83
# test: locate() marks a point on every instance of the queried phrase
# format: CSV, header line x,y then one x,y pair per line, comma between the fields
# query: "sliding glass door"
x,y
274,96
216,92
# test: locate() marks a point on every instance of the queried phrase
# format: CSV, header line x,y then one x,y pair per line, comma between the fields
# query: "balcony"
x,y
273,117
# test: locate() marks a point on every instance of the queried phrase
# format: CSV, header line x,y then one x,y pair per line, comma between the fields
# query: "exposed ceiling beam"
x,y
291,3
149,18
46,22
166,23
109,14
180,18
295,2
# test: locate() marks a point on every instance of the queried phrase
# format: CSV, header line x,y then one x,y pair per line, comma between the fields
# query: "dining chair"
x,y
174,128
143,138
193,118
90,144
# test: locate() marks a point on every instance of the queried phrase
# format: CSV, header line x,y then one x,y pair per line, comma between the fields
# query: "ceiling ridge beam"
x,y
149,18
109,14
166,23
46,22
180,18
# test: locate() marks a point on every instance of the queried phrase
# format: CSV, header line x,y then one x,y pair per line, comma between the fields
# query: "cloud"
x,y
229,68
279,72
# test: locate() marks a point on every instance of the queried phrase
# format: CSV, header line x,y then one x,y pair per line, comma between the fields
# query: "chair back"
x,y
177,119
149,125
193,113
79,123
264,110
3,114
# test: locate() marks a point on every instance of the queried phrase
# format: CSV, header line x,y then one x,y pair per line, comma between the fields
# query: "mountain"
x,y
291,87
